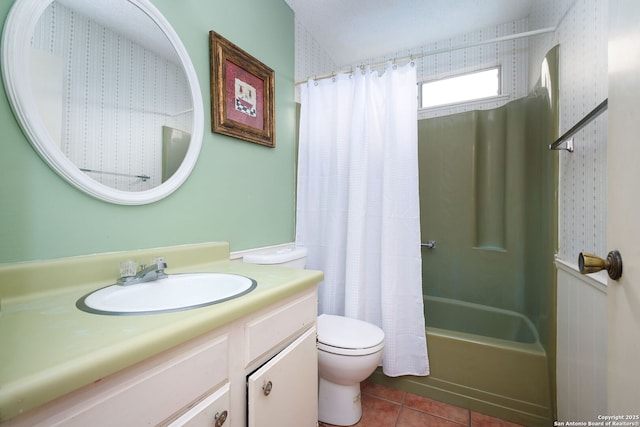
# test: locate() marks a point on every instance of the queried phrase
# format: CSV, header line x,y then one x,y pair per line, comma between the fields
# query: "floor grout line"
x,y
401,404
404,396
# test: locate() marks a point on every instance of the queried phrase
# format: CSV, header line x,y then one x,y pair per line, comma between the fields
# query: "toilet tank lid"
x,y
276,256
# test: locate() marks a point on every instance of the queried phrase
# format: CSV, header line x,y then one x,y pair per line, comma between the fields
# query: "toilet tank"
x,y
289,256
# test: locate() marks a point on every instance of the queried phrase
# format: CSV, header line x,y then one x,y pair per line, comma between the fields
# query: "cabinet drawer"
x,y
158,393
145,394
270,332
212,411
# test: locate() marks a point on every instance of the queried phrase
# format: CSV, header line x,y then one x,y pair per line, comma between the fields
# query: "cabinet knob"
x,y
266,388
220,418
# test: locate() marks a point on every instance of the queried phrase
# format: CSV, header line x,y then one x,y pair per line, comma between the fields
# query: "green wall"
x,y
239,192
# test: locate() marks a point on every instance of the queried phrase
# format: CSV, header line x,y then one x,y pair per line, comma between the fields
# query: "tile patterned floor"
x,y
386,407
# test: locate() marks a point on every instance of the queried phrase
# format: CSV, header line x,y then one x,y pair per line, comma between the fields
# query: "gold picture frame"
x,y
242,93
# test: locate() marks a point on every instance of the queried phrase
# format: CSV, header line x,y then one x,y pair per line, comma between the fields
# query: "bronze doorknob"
x,y
589,263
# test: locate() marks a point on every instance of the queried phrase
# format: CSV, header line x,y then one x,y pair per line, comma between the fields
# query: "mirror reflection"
x,y
111,91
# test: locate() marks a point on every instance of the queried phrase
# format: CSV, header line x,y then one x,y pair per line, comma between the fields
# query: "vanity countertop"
x,y
49,348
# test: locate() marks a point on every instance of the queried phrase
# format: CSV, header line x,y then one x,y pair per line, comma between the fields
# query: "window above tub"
x,y
477,85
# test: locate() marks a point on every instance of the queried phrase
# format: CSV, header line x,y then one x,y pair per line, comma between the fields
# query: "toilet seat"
x,y
347,336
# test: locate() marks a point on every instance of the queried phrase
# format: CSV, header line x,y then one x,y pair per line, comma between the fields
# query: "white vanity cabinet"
x,y
214,380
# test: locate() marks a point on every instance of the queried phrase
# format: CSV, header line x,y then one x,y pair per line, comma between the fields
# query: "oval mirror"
x,y
106,93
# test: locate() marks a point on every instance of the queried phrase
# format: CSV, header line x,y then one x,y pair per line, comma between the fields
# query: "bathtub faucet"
x,y
431,244
145,274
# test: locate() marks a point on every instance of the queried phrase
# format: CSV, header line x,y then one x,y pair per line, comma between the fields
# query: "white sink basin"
x,y
173,293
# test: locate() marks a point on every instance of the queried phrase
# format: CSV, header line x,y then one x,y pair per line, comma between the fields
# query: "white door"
x,y
284,391
624,207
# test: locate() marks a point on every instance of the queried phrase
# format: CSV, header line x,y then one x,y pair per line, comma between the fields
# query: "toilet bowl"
x,y
349,350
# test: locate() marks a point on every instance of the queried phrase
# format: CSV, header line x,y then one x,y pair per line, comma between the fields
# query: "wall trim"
x,y
597,280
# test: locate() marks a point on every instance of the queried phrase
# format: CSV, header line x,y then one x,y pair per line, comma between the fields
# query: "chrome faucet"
x,y
145,274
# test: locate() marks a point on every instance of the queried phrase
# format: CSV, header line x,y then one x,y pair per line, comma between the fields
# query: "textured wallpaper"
x,y
512,56
115,97
582,36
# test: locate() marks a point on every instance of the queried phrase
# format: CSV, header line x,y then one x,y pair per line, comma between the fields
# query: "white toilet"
x,y
349,350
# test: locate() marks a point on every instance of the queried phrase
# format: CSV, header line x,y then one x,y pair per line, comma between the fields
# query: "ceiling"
x,y
354,30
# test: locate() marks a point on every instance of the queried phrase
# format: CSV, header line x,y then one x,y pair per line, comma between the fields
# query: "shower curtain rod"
x,y
438,51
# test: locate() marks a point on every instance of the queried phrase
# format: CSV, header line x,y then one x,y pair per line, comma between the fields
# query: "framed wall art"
x,y
242,93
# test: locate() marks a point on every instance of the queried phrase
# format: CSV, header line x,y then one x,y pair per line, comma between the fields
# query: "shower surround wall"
x,y
487,198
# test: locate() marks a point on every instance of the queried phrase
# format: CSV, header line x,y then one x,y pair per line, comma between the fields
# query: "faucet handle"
x,y
128,268
160,265
160,262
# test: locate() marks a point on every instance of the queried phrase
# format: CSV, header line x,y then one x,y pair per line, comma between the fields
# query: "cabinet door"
x,y
212,411
284,391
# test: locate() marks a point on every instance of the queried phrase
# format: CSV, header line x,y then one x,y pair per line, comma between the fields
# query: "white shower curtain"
x,y
358,206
